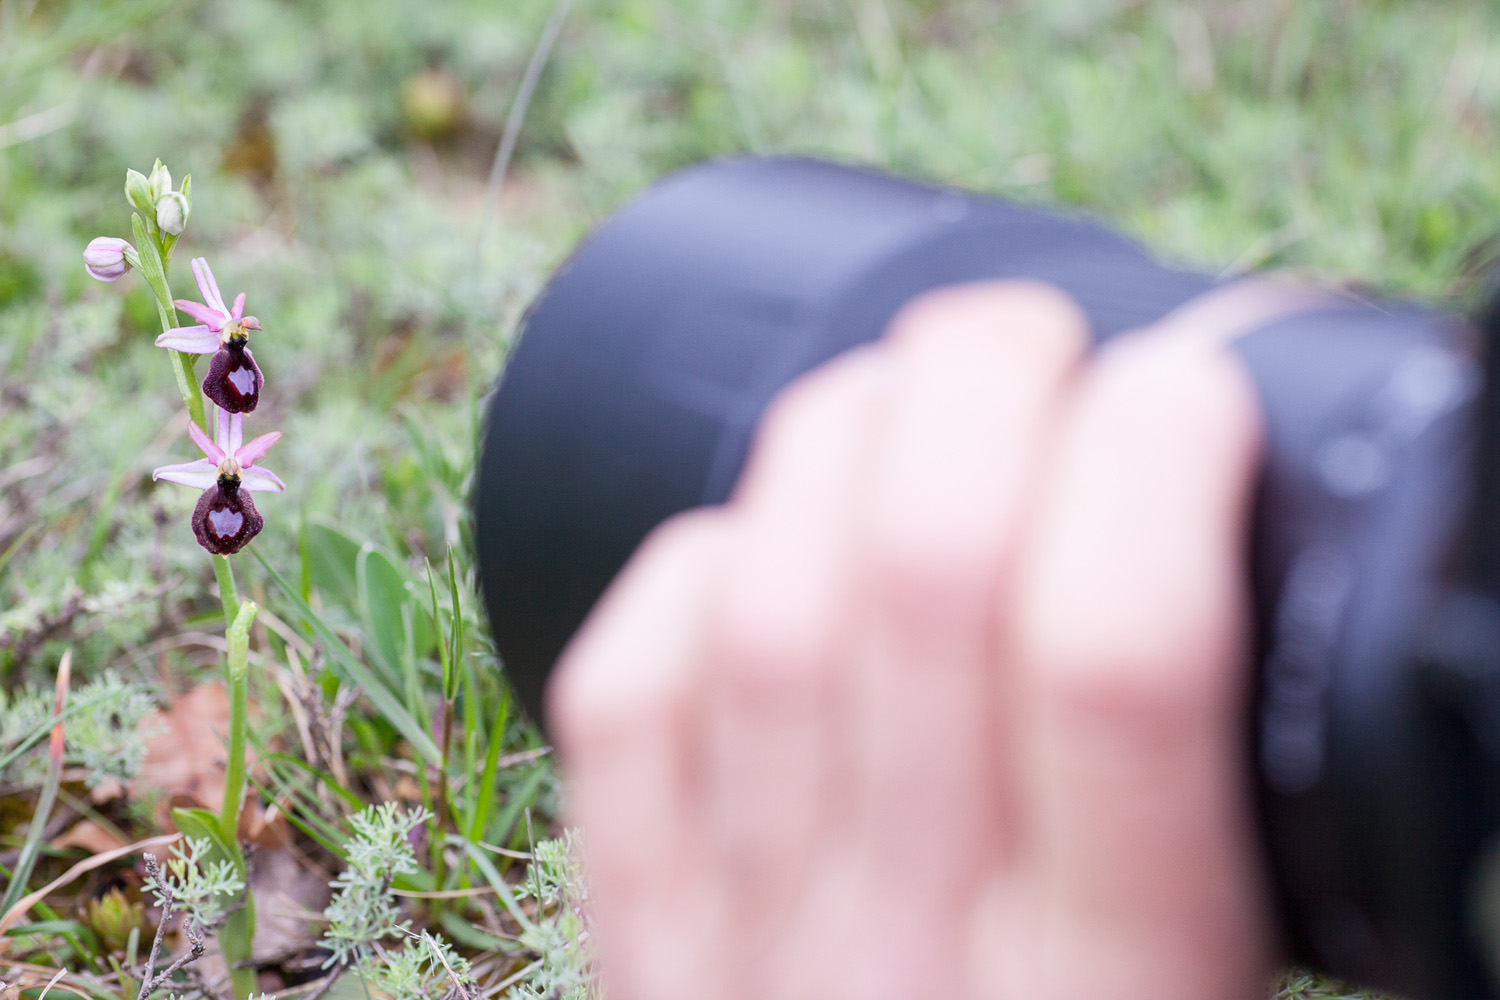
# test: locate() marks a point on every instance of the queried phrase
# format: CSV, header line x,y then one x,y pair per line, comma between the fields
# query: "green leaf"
x,y
152,268
48,927
456,640
239,927
484,796
234,941
330,556
470,936
437,623
203,824
355,672
392,617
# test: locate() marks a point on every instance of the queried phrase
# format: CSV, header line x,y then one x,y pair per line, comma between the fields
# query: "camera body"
x,y
643,368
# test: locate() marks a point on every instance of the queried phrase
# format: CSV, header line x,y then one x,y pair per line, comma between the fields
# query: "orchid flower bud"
x,y
106,258
161,181
138,192
172,210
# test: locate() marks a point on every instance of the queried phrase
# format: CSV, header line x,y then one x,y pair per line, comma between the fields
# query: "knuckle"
x,y
768,647
922,563
1134,676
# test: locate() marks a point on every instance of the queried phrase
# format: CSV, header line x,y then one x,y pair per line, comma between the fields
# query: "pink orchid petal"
x,y
192,339
256,449
207,285
224,433
239,306
206,315
250,323
236,433
208,447
200,475
105,273
258,480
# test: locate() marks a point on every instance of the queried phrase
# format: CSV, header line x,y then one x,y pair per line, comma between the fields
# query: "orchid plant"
x,y
225,518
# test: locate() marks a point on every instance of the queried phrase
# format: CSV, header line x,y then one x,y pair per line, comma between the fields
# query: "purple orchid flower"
x,y
234,380
226,519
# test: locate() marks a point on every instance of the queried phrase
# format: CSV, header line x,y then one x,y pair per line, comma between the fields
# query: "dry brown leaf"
x,y
185,758
289,902
88,835
407,789
265,827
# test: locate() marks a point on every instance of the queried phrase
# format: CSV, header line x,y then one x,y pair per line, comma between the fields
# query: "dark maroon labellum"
x,y
233,381
226,519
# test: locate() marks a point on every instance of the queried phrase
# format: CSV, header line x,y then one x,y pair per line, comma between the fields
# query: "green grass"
x,y
335,185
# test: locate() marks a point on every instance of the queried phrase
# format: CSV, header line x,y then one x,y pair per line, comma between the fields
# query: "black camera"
x,y
642,369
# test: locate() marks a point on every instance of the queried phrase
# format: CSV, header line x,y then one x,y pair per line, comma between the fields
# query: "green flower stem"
x,y
182,367
182,364
239,929
238,638
229,596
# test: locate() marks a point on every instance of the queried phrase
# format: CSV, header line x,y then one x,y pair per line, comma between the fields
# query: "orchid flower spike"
x,y
234,380
225,518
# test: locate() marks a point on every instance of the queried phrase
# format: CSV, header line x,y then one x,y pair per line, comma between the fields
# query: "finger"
x,y
981,367
1131,632
623,702
773,642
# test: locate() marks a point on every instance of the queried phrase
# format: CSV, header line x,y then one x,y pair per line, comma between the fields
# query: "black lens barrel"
x,y
642,369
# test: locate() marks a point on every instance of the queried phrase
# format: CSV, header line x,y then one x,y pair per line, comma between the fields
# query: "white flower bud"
x,y
161,181
138,191
172,211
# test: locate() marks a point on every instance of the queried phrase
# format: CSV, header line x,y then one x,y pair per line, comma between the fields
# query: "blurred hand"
x,y
946,702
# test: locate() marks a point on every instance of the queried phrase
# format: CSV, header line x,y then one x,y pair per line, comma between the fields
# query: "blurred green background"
x,y
340,151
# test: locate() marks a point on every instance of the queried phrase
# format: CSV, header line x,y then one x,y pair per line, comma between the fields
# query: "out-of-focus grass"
x,y
339,150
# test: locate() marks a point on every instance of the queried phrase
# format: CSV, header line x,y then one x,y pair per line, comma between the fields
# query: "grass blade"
x,y
33,845
356,672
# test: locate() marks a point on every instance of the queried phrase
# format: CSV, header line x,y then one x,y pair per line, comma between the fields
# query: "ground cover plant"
x,y
394,819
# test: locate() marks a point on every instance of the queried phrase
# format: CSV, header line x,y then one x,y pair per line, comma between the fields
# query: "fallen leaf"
x,y
185,758
88,835
289,903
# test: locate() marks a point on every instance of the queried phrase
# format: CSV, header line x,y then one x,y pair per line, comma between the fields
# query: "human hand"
x,y
947,700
